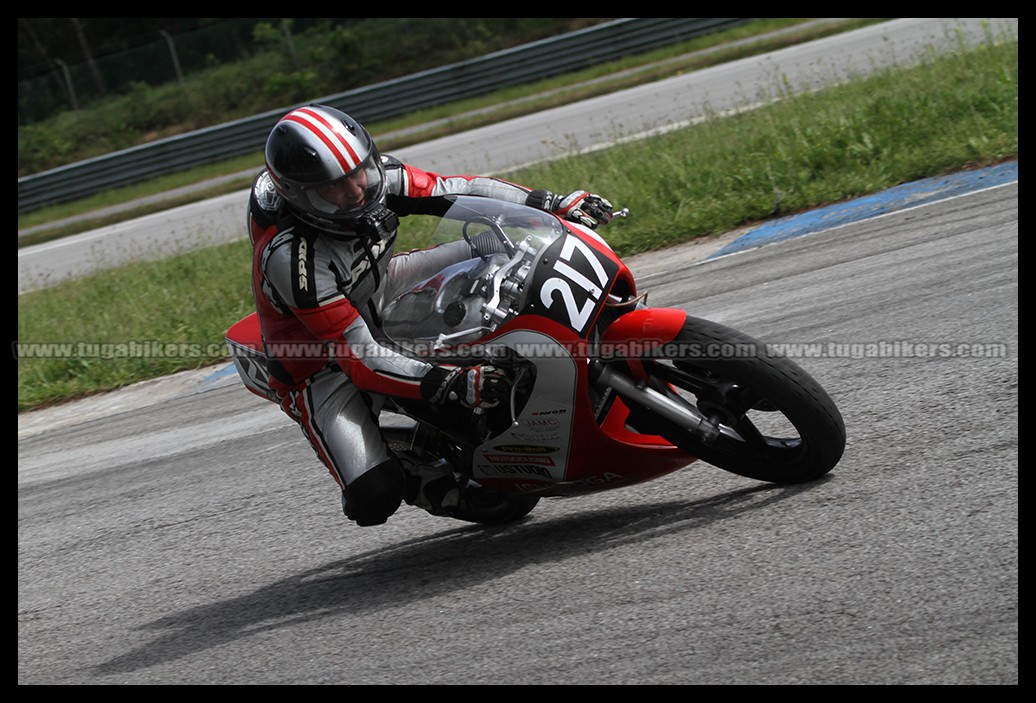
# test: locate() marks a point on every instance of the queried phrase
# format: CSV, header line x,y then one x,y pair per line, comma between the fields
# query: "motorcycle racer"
x,y
322,218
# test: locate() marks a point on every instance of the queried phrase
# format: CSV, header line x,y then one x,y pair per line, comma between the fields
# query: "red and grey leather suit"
x,y
311,288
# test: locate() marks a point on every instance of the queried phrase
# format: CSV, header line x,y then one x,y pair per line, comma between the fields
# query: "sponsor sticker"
x,y
524,459
525,449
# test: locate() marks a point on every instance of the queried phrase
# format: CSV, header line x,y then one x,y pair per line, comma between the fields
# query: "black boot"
x,y
432,487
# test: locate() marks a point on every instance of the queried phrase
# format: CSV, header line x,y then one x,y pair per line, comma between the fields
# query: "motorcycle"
x,y
605,393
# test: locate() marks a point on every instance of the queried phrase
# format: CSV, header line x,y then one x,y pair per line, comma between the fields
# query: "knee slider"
x,y
375,495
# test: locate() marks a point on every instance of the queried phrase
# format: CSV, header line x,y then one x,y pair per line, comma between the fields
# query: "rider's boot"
x,y
432,487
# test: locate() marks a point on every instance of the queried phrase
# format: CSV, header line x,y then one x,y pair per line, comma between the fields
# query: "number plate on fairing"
x,y
570,283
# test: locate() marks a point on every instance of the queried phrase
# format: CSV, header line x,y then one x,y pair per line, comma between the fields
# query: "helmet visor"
x,y
352,193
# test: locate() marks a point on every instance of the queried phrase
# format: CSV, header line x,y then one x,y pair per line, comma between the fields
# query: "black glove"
x,y
579,206
472,386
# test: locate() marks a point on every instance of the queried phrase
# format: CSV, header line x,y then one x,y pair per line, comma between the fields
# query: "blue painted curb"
x,y
219,374
899,198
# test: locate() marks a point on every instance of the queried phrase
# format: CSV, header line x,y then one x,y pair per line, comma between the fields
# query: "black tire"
x,y
776,423
486,507
479,505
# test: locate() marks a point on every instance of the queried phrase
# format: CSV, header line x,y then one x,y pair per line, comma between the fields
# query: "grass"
x,y
805,151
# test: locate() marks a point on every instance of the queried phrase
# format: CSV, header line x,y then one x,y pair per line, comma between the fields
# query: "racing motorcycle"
x,y
605,391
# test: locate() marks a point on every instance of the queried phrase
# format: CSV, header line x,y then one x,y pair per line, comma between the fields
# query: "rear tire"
x,y
776,422
486,507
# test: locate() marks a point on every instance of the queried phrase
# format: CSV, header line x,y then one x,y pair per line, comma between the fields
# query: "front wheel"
x,y
767,419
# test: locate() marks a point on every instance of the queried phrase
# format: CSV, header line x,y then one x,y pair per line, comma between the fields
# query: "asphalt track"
x,y
181,532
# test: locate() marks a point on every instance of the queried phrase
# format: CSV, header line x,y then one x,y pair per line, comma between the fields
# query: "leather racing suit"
x,y
317,297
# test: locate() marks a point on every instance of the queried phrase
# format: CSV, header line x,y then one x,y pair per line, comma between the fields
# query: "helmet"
x,y
326,167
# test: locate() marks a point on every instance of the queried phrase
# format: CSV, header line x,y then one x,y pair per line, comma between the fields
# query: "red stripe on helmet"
x,y
348,159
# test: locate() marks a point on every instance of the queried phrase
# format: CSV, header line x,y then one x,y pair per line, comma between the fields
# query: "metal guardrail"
x,y
523,64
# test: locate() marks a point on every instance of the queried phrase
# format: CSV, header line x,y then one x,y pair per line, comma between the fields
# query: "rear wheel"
x,y
486,507
767,418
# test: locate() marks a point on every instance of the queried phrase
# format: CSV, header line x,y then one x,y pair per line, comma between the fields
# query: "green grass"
x,y
805,151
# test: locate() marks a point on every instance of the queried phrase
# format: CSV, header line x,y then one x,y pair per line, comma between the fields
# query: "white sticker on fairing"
x,y
537,447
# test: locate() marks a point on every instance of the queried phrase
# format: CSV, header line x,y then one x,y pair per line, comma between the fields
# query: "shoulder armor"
x,y
264,194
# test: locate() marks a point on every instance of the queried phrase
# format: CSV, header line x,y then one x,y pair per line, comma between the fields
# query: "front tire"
x,y
775,422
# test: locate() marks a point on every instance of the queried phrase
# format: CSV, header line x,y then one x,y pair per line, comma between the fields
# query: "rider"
x,y
322,219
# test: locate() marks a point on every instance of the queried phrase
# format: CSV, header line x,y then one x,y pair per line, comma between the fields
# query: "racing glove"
x,y
472,386
579,206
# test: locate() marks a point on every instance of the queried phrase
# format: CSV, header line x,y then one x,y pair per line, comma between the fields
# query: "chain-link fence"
x,y
69,82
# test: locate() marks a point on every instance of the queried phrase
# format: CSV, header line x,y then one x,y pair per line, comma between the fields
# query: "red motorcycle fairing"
x,y
638,331
245,344
555,445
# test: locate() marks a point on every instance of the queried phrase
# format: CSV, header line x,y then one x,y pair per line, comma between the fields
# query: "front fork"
x,y
637,393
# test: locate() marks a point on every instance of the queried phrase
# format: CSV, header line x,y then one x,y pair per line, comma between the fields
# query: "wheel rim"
x,y
751,427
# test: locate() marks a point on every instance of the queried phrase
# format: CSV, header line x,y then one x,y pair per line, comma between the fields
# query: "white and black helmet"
x,y
313,149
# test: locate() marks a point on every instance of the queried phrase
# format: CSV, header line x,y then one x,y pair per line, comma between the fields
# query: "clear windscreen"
x,y
471,298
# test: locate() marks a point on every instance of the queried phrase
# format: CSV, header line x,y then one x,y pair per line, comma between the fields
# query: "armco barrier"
x,y
523,64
